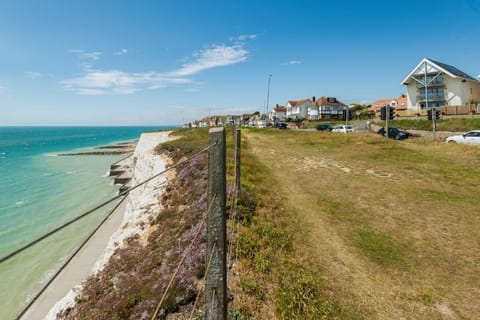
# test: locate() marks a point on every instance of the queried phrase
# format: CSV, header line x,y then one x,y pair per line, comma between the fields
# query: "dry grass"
x,y
392,227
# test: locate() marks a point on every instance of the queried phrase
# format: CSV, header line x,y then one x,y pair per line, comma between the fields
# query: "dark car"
x,y
324,127
395,133
282,125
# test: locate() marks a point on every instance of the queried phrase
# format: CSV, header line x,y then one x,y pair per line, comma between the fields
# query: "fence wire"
x,y
180,264
83,215
122,195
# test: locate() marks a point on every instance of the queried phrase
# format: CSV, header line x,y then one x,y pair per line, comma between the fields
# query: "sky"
x,y
167,62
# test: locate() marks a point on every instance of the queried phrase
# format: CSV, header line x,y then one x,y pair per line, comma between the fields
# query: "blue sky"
x,y
172,61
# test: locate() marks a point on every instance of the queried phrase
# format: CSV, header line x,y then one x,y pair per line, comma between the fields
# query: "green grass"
x,y
406,208
269,267
381,248
457,124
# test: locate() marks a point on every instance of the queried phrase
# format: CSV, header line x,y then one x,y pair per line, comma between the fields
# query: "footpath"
x,y
78,269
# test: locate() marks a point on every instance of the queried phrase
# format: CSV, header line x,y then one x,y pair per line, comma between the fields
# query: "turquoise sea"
x,y
39,191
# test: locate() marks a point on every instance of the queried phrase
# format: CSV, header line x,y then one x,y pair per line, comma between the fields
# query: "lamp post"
x,y
268,97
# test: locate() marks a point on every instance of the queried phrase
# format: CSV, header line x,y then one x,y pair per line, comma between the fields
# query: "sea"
x,y
40,190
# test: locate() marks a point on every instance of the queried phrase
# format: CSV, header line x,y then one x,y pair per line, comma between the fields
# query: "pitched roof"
x,y
453,70
280,109
295,102
378,104
323,101
446,68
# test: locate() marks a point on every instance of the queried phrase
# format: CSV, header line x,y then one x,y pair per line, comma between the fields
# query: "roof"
x,y
453,70
323,101
295,102
376,105
280,109
443,67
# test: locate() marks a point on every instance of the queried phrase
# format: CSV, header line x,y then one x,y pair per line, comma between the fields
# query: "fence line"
x,y
216,279
180,264
215,218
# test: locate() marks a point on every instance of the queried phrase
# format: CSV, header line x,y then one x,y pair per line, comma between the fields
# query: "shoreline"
x,y
135,210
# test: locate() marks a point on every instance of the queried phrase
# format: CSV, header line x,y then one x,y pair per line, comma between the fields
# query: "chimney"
x,y
313,99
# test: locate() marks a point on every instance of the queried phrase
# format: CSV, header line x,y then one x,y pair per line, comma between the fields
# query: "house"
x,y
399,103
258,121
297,108
278,114
325,108
433,84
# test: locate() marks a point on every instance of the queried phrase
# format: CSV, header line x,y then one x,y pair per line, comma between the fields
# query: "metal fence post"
x,y
237,158
216,278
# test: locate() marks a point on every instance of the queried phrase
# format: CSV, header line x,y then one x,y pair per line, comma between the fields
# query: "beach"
x,y
127,219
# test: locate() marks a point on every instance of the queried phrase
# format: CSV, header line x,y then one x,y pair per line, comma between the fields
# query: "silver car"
x,y
470,137
342,128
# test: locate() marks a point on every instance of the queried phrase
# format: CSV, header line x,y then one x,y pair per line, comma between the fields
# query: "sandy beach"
x,y
125,221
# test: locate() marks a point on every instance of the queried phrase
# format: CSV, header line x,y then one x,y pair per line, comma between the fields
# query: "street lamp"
x,y
268,97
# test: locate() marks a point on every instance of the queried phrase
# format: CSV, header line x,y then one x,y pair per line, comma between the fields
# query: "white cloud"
x,y
86,59
118,82
38,75
245,37
98,82
216,56
2,89
121,52
292,62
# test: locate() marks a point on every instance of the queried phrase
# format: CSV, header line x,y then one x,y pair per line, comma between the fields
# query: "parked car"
x,y
395,133
324,127
282,125
342,128
470,137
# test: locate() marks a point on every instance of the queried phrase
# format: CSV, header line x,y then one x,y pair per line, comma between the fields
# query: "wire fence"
x,y
122,195
232,198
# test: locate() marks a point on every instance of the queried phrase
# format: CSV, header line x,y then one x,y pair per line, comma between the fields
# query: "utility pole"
x,y
268,98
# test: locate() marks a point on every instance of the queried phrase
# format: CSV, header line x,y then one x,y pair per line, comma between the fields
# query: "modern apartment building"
x,y
433,84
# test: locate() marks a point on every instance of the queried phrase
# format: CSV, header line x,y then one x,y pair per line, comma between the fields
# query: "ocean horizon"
x,y
40,191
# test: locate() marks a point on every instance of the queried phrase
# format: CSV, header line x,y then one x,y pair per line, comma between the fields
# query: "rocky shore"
x,y
116,149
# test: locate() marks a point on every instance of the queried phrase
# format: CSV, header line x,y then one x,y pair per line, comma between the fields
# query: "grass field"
x,y
359,227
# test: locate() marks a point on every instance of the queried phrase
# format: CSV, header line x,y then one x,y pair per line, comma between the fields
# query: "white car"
x,y
343,129
470,137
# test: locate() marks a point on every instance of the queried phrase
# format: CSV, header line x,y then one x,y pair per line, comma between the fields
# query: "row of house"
x,y
324,108
431,84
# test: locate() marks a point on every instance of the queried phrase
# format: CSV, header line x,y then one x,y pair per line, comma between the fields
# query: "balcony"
x,y
431,97
438,82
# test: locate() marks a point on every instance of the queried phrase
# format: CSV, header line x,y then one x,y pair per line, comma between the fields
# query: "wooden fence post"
x,y
238,140
216,255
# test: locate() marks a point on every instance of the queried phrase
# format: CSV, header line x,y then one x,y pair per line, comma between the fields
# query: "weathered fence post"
x,y
216,278
237,159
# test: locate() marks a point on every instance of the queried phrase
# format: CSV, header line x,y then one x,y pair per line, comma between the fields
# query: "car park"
x,y
324,127
470,137
395,133
343,129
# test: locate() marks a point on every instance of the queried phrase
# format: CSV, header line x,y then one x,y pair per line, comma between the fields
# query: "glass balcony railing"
x,y
435,83
431,97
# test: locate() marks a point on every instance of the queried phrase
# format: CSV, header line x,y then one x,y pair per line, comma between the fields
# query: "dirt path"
x,y
316,185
